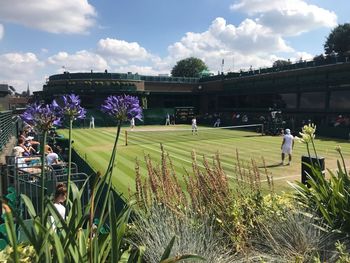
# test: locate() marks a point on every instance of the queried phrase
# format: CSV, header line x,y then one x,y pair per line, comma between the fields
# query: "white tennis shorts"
x,y
286,149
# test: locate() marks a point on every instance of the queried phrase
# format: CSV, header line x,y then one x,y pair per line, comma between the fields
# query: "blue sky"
x,y
40,37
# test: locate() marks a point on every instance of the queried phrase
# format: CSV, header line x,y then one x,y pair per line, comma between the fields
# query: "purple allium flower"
x,y
122,107
42,117
71,107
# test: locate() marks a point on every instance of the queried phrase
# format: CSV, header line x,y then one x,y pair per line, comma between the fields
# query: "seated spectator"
x,y
25,163
31,144
217,122
25,136
51,157
339,121
28,151
58,201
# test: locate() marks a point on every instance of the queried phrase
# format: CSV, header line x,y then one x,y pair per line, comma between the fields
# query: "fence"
x,y
16,181
7,128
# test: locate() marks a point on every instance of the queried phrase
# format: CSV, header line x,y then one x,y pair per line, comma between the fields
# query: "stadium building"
x,y
292,95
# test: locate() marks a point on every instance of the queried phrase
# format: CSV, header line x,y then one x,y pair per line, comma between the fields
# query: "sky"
x,y
39,38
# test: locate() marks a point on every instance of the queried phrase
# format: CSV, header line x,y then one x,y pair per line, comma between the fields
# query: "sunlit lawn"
x,y
96,144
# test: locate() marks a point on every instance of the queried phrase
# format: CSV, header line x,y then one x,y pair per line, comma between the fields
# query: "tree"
x,y
281,63
338,40
319,58
189,67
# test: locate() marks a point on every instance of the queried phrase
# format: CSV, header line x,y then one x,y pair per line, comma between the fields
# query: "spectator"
x,y
51,157
25,164
28,151
244,118
60,198
30,144
217,122
339,121
25,136
58,201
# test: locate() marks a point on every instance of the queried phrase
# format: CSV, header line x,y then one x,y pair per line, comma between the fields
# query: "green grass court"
x,y
95,146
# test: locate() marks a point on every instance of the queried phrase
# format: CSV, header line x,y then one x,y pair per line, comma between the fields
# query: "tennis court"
x,y
95,146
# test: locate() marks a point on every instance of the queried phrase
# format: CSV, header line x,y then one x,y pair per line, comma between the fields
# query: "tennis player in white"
x,y
194,125
287,146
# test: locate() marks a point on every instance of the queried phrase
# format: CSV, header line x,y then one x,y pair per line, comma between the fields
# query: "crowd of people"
x,y
27,160
27,152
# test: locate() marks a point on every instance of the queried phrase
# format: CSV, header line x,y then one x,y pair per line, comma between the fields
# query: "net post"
x,y
262,129
126,138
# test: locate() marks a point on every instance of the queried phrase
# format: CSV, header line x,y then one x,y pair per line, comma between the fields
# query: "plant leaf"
x,y
168,249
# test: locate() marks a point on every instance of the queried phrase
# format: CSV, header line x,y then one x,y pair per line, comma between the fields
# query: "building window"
x,y
287,101
312,100
340,100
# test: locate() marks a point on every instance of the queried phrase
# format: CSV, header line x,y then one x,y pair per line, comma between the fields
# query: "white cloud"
x,y
18,69
247,44
301,56
18,64
121,52
141,70
64,16
287,17
1,31
80,61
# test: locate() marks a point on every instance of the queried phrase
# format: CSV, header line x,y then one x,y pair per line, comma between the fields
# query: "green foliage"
x,y
327,198
338,40
26,254
187,235
343,255
281,63
237,211
68,241
295,235
76,239
189,67
330,198
319,58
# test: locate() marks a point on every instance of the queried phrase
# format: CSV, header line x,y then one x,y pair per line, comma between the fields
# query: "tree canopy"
x,y
338,40
281,63
189,67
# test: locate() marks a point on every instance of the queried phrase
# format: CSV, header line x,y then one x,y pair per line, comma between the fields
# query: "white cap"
x,y
287,131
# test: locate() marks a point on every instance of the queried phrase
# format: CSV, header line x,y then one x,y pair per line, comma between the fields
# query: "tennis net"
x,y
149,136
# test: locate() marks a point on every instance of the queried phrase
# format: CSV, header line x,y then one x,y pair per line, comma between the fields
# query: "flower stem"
x,y
313,146
108,176
344,165
42,177
69,157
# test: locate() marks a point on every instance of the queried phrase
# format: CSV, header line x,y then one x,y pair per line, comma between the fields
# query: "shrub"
x,y
193,235
207,192
296,237
26,254
329,198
